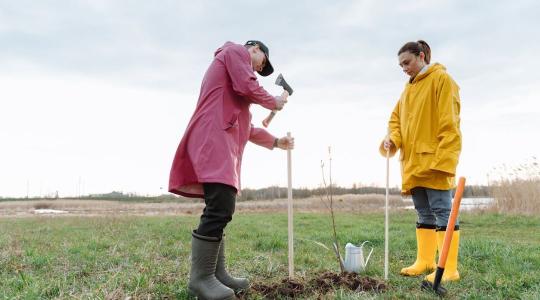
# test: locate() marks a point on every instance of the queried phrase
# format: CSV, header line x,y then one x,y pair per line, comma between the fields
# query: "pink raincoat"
x,y
212,147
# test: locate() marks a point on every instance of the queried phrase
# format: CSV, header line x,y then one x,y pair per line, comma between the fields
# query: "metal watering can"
x,y
354,257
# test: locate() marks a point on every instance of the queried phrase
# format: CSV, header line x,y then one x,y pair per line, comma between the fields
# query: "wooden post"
x,y
290,212
386,216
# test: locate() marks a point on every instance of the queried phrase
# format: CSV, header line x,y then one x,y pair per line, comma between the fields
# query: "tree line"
x,y
267,193
276,192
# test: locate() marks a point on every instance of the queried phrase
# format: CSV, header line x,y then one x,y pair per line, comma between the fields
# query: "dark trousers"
x,y
220,202
433,206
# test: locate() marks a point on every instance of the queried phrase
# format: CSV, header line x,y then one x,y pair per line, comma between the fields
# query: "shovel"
x,y
436,285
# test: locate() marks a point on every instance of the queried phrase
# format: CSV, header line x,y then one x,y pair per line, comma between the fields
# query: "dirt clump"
x,y
318,286
285,288
354,282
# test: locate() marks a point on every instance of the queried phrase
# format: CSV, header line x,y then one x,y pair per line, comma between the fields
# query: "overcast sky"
x,y
95,95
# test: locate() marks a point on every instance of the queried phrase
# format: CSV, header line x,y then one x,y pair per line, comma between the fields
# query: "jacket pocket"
x,y
422,147
424,155
231,121
232,131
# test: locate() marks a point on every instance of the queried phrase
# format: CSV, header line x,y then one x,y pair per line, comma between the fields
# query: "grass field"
x,y
148,257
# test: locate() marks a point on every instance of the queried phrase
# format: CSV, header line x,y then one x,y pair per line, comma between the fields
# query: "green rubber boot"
x,y
237,284
202,279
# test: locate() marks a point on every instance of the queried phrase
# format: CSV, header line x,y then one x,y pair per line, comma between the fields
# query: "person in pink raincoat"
x,y
208,160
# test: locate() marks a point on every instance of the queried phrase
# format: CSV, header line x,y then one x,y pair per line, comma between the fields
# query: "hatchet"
x,y
281,82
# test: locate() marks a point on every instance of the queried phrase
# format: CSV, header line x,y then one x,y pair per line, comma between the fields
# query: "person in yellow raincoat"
x,y
424,126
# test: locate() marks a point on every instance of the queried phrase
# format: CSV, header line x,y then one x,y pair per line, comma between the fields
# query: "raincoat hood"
x,y
226,45
433,68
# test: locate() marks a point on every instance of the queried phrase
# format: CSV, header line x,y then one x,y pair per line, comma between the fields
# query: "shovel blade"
x,y
439,290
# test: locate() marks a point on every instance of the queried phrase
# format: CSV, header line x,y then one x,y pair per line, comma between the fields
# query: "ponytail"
x,y
417,47
426,50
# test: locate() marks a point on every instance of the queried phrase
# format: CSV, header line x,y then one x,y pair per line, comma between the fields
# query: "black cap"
x,y
268,69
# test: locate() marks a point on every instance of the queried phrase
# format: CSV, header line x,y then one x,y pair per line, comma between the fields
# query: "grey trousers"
x,y
433,207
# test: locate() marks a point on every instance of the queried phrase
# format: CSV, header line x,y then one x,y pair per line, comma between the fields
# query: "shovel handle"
x,y
451,222
447,239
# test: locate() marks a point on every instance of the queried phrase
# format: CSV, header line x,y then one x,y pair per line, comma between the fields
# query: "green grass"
x,y
141,257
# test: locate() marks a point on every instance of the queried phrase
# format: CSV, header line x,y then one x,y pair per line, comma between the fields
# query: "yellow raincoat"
x,y
425,127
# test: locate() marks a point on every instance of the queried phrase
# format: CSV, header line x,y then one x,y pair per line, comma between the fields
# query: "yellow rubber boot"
x,y
426,248
450,269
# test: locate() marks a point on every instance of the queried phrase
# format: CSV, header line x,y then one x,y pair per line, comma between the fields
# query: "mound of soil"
x,y
354,282
320,285
286,288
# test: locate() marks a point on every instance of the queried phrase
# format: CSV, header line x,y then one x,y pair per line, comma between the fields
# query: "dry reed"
x,y
517,191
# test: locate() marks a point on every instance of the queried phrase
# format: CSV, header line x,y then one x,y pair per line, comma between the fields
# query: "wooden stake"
x,y
386,216
290,212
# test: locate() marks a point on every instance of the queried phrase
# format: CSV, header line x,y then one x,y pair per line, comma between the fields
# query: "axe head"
x,y
281,82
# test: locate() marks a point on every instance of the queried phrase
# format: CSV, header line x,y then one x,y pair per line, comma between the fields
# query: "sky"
x,y
95,95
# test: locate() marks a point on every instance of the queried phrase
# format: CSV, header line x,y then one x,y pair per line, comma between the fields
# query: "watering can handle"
x,y
369,255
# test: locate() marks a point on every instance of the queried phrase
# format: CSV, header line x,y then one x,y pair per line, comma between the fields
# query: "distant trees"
x,y
276,192
268,193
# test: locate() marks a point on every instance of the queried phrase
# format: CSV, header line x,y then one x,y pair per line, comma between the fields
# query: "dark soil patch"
x,y
354,282
318,286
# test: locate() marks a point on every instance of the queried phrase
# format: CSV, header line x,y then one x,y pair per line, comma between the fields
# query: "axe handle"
x,y
268,119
